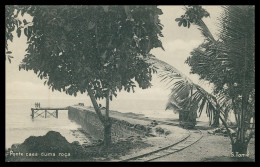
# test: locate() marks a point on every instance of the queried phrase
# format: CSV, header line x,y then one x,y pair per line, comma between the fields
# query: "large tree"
x,y
93,49
228,63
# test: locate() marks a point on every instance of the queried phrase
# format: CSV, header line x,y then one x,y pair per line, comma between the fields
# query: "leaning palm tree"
x,y
185,94
228,63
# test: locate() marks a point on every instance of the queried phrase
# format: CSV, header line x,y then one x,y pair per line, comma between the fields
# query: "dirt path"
x,y
192,138
209,148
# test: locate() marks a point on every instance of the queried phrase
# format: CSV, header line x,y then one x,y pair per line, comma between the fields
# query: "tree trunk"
x,y
95,105
187,119
104,119
107,125
216,120
245,95
180,116
107,135
239,147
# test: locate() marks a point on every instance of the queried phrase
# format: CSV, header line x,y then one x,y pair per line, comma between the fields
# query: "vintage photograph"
x,y
130,83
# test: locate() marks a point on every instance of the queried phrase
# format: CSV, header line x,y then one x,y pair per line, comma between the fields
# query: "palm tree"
x,y
185,95
228,63
238,45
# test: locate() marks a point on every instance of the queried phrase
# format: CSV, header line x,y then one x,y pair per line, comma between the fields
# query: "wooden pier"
x,y
43,112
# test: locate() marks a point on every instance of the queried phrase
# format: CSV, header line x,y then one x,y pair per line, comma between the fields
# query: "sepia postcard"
x,y
129,83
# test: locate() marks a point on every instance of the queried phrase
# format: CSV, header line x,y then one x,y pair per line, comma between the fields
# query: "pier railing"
x,y
43,112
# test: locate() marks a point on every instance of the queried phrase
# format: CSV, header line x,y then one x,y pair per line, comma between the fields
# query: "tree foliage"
x,y
98,49
220,62
229,63
12,22
102,47
185,94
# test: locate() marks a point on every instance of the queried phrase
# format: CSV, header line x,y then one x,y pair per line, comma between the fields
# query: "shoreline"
x,y
137,145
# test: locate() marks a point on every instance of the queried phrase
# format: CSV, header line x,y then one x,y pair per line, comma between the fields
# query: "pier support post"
x,y
56,113
32,113
45,113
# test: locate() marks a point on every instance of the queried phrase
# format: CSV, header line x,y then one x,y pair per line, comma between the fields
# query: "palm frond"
x,y
185,95
205,31
166,70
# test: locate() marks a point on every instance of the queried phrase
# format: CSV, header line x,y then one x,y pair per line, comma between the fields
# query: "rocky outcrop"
x,y
48,147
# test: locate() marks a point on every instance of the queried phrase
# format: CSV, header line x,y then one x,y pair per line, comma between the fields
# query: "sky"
x,y
177,41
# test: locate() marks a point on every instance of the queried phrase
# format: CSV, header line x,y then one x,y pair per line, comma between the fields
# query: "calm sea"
x,y
20,126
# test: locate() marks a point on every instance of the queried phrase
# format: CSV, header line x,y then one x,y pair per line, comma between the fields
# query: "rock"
x,y
15,146
167,132
51,142
159,130
149,129
131,125
138,126
154,123
150,135
217,130
224,131
210,132
75,143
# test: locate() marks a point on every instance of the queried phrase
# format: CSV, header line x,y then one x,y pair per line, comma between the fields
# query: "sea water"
x,y
20,125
